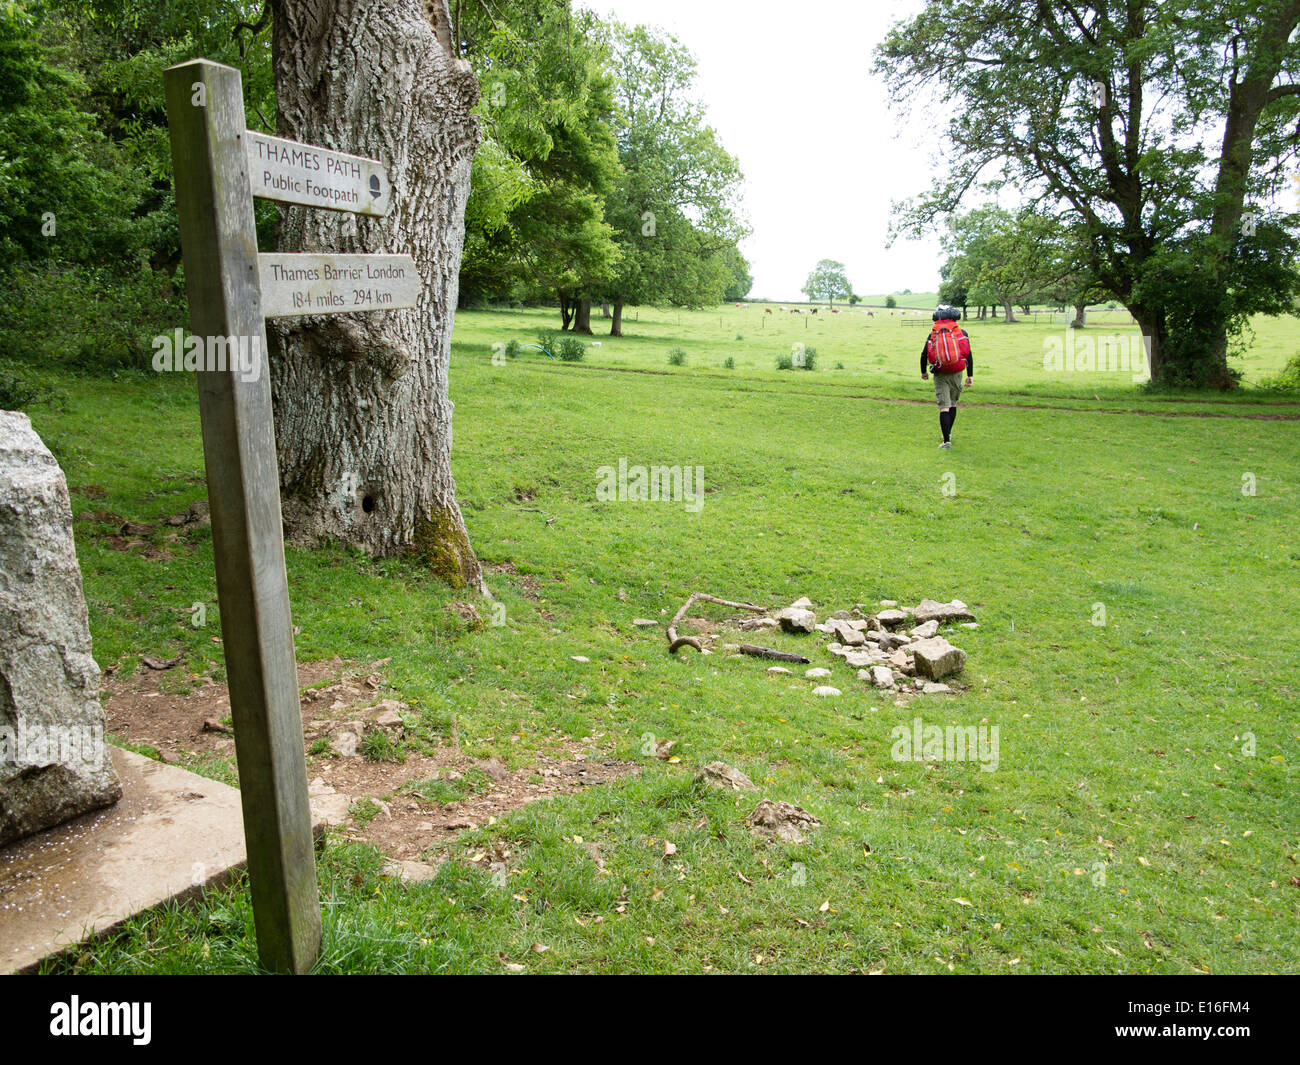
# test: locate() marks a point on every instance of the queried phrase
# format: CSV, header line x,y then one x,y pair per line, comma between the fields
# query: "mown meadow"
x,y
1132,558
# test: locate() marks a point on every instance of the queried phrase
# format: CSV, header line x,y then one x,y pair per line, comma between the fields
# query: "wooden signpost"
x,y
218,167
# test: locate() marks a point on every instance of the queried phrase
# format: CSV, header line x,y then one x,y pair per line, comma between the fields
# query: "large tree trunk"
x,y
566,311
582,317
363,418
1249,95
1080,315
1009,311
1152,324
616,329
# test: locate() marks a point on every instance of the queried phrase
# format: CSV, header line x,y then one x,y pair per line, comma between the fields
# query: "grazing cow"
x,y
813,311
871,314
795,310
834,311
767,310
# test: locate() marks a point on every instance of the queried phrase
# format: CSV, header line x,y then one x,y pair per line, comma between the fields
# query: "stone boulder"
x,y
936,658
848,635
721,775
781,820
901,661
54,760
882,677
930,610
890,640
861,659
797,619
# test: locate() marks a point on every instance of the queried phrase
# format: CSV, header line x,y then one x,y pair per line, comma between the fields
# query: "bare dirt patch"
x,y
406,808
529,586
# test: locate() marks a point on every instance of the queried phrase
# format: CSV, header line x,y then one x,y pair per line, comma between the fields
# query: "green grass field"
x,y
880,353
1141,817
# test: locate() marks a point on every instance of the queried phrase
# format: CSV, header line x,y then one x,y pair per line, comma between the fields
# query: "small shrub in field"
x,y
1285,380
785,361
677,357
512,348
806,359
730,364
571,349
548,338
839,366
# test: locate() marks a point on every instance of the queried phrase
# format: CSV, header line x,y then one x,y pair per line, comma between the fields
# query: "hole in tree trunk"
x,y
368,503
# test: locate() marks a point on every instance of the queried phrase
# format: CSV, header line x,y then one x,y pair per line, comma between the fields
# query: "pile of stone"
x,y
896,649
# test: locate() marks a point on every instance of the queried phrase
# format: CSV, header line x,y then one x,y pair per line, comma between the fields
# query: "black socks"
x,y
946,418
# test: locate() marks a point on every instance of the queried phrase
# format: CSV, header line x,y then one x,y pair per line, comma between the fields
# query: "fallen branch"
x,y
767,652
675,642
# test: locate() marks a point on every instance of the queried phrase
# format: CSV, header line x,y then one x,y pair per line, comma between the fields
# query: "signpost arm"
x,y
205,113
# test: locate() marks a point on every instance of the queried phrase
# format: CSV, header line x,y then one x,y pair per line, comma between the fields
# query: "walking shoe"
x,y
946,444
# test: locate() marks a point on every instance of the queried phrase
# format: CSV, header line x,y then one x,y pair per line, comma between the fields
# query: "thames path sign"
x,y
315,177
218,167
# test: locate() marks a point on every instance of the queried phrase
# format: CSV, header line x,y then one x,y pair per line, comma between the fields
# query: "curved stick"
x,y
675,642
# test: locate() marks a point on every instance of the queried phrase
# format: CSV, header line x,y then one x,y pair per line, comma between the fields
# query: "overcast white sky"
x,y
790,91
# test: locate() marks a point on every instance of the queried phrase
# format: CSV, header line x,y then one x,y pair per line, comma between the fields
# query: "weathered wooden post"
x,y
218,167
205,112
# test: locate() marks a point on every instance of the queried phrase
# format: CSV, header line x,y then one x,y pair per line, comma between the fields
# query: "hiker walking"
x,y
947,354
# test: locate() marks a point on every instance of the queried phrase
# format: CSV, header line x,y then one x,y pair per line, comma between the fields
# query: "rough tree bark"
x,y
616,327
582,317
1251,92
1151,321
363,418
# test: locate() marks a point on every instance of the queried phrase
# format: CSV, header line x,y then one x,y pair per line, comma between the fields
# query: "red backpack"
x,y
947,347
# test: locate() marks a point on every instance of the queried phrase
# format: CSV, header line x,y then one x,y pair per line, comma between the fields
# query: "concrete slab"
x,y
172,834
